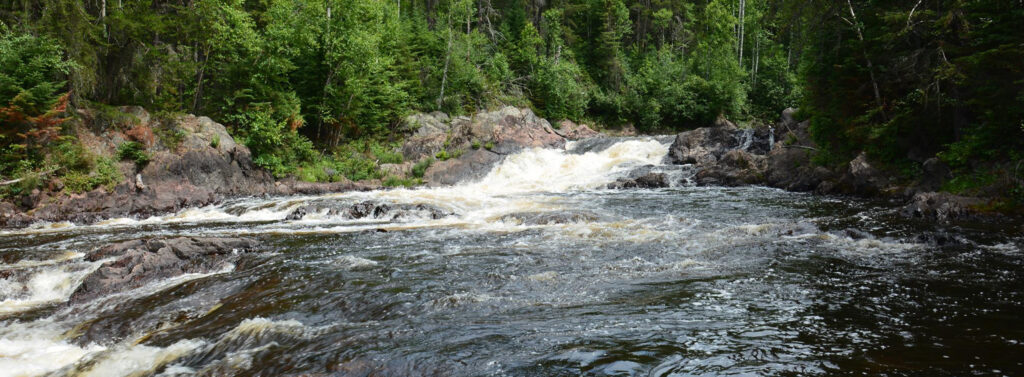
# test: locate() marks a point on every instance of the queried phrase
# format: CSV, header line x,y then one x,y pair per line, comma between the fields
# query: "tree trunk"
x,y
447,60
871,67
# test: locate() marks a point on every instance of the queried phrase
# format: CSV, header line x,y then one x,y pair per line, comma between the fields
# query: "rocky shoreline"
x,y
207,166
725,155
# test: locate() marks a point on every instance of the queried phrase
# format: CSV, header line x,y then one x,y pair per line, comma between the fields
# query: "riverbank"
x,y
192,161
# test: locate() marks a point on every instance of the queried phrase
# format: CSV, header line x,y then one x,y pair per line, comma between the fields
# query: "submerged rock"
x,y
140,262
548,218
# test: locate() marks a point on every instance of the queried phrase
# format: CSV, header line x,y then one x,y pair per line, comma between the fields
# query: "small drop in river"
x,y
537,269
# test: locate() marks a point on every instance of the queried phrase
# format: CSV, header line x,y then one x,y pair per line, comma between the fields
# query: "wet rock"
x,y
736,167
572,131
472,165
370,209
940,206
549,218
941,239
703,145
140,262
648,180
480,141
857,234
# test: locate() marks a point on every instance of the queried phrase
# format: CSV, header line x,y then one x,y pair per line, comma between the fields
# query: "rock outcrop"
x,y
727,156
139,262
572,131
193,162
468,147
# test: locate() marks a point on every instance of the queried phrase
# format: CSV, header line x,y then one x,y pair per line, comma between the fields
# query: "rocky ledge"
x,y
781,156
136,263
193,162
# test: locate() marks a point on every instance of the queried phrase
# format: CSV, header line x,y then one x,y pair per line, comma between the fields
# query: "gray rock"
x,y
940,206
370,209
572,131
472,165
549,218
736,167
648,180
140,262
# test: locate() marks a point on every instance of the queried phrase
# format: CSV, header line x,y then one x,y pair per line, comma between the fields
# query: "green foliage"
x,y
105,174
275,146
133,151
392,181
215,141
420,168
170,136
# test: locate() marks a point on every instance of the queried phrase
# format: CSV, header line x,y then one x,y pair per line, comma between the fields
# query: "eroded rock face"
x,y
139,262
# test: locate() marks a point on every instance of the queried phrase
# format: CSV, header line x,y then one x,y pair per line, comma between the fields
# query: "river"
x,y
679,281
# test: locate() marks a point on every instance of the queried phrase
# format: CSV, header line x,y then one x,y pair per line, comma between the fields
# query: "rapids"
x,y
677,281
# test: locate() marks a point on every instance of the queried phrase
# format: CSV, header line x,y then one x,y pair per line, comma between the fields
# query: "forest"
x,y
305,83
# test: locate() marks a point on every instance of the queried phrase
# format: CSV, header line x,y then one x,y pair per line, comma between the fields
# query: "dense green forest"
x,y
301,81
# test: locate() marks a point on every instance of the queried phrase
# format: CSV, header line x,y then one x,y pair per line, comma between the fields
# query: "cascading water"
x,y
534,270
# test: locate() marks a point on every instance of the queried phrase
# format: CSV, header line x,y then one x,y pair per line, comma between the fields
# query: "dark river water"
x,y
682,281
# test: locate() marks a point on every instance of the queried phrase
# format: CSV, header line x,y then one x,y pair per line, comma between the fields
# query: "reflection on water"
x,y
677,281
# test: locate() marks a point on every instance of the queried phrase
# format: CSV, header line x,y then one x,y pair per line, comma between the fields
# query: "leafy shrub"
x,y
170,136
133,151
275,146
392,181
420,168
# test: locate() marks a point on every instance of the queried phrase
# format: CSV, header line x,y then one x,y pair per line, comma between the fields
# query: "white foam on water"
x,y
139,360
37,348
47,285
28,263
353,262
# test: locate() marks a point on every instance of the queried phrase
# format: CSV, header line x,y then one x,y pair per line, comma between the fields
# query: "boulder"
x,y
735,168
648,180
472,165
139,262
572,131
703,145
941,206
